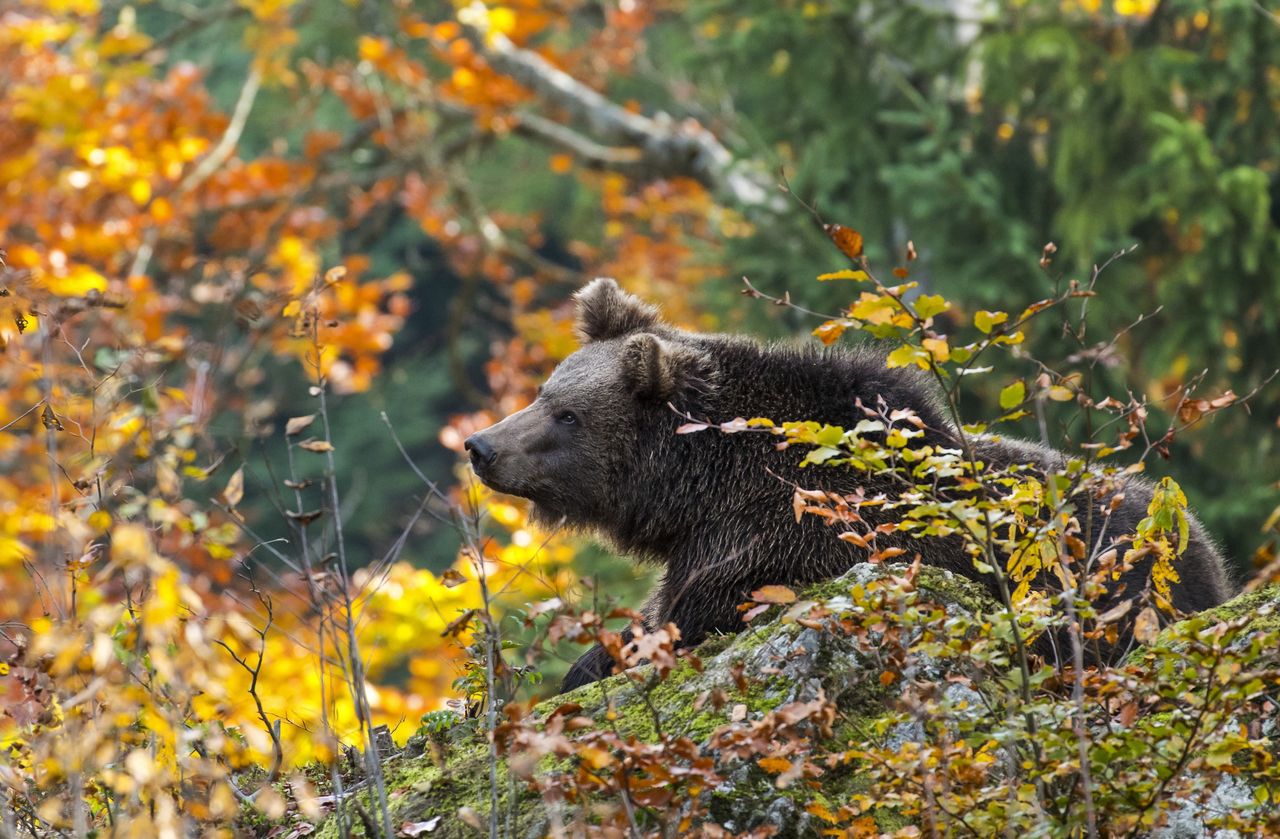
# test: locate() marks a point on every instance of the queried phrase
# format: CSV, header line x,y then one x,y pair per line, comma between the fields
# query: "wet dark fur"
x,y
715,510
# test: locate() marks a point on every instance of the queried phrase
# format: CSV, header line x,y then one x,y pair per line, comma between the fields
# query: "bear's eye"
x,y
567,418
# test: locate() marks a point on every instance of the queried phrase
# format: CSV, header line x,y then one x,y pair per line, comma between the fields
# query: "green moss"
x,y
714,645
419,790
968,594
1261,608
827,589
1251,605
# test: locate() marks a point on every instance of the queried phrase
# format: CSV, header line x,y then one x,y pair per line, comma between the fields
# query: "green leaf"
x,y
1012,395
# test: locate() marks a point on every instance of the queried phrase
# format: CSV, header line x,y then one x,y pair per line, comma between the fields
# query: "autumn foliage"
x,y
202,236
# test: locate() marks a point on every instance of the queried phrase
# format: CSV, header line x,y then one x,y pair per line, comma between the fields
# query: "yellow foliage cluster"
x,y
138,672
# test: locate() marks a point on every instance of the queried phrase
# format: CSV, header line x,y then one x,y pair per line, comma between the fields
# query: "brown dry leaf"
x,y
305,517
1116,612
470,817
234,491
451,578
296,425
854,538
419,828
50,420
848,240
1049,250
316,445
887,553
458,624
1146,626
270,803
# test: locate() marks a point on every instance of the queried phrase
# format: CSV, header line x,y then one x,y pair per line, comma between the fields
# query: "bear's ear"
x,y
661,370
606,311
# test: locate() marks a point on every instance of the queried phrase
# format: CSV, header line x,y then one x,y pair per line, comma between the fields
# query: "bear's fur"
x,y
598,451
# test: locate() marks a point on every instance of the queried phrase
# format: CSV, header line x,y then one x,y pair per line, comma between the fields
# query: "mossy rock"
x,y
799,662
785,662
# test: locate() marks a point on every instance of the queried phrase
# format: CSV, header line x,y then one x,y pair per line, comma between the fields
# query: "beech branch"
x,y
617,139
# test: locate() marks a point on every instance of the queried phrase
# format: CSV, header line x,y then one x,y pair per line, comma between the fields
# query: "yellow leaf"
x,y
986,321
140,192
928,305
370,48
845,274
937,347
130,544
905,356
12,551
79,281
316,445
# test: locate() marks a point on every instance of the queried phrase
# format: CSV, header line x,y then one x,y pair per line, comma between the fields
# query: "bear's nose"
x,y
482,451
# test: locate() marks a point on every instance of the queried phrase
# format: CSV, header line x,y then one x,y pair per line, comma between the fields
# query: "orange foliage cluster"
x,y
151,276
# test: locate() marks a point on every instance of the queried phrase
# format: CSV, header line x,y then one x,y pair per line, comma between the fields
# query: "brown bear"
x,y
598,450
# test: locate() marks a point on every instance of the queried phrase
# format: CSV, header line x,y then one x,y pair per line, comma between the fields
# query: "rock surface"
x,y
786,662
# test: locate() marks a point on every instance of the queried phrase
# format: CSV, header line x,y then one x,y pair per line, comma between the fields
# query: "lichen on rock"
x,y
827,647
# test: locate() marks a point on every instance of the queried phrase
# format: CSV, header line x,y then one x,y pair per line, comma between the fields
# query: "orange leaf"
x,y
773,594
848,240
817,808
774,765
829,332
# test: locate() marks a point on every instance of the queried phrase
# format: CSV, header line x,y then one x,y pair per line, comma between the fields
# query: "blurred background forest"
x,y
180,178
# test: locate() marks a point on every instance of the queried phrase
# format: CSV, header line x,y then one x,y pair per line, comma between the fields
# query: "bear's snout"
x,y
482,451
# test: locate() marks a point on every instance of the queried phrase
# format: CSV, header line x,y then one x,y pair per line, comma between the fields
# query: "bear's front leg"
x,y
596,664
592,666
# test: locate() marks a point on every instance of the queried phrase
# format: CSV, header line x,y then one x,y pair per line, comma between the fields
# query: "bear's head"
x,y
572,450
